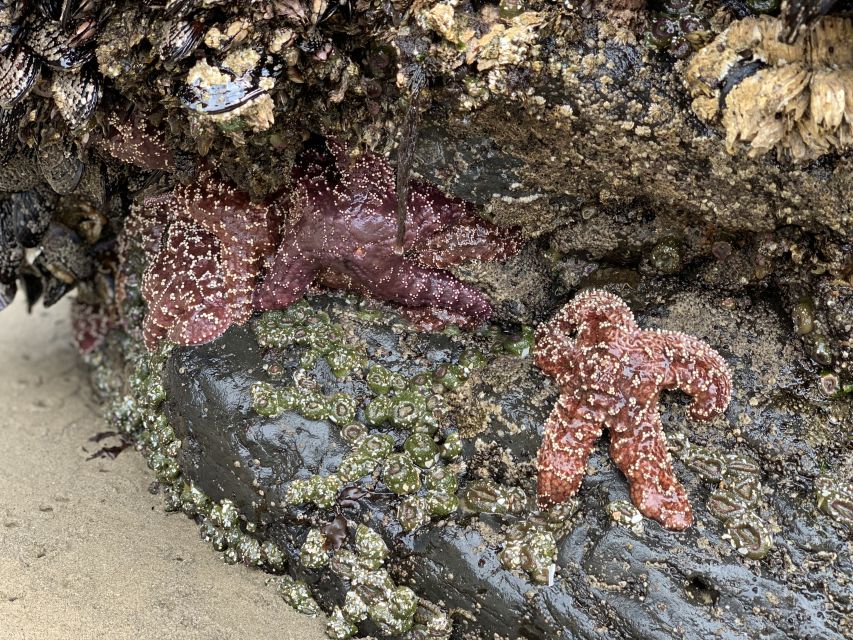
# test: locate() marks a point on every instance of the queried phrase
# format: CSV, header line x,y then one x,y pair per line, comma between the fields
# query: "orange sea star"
x,y
611,374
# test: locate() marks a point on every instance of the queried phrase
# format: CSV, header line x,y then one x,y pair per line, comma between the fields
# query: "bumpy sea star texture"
x,y
90,324
132,139
206,244
342,235
611,373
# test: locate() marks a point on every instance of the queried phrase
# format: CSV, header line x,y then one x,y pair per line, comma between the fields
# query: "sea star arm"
x,y
430,211
699,371
469,239
133,140
289,277
555,351
406,283
640,452
187,301
569,436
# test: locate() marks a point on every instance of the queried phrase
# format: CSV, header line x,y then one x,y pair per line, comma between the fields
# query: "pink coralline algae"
x,y
342,234
611,373
205,244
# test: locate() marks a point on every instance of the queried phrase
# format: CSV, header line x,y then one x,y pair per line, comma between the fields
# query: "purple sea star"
x,y
611,374
342,234
206,243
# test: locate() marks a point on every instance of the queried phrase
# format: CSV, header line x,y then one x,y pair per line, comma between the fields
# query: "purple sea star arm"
x,y
410,285
429,212
186,297
639,450
131,139
467,240
699,371
567,442
288,279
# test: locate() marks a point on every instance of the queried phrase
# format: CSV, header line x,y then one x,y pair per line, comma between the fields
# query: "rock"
x,y
369,501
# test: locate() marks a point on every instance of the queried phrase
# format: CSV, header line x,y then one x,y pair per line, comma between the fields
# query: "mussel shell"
x,y
180,8
53,288
65,254
11,251
7,294
18,72
222,98
76,96
7,33
230,95
33,284
64,10
60,49
20,172
32,212
93,184
9,125
179,39
60,163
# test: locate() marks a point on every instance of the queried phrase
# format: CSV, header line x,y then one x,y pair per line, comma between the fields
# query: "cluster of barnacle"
x,y
678,27
236,66
501,40
373,594
814,275
835,499
138,415
795,98
422,472
737,499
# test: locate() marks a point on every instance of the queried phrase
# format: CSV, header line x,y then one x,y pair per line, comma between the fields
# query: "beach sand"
x,y
85,550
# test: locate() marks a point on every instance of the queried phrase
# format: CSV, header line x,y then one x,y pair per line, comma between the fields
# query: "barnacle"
x,y
796,98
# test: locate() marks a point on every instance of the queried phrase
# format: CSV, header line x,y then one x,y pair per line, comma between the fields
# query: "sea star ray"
x,y
611,373
342,234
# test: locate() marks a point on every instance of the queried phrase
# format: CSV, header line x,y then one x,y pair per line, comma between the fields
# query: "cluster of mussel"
x,y
49,89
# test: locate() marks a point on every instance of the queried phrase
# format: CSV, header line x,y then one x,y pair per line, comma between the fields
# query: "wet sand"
x,y
85,550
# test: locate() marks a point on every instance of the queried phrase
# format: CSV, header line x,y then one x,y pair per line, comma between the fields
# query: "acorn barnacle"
x,y
795,98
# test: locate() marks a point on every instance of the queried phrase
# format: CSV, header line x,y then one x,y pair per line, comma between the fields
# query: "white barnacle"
x,y
798,100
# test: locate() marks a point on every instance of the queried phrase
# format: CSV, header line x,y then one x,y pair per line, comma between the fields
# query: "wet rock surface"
x,y
345,450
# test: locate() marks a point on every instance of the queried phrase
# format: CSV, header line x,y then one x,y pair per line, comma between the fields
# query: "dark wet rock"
x,y
635,580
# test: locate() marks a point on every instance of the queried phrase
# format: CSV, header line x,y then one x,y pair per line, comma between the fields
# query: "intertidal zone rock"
x,y
390,475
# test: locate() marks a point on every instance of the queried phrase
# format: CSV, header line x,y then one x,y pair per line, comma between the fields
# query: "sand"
x,y
86,551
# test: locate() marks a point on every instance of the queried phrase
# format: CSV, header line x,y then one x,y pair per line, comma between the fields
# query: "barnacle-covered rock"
x,y
309,486
835,499
795,98
678,27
